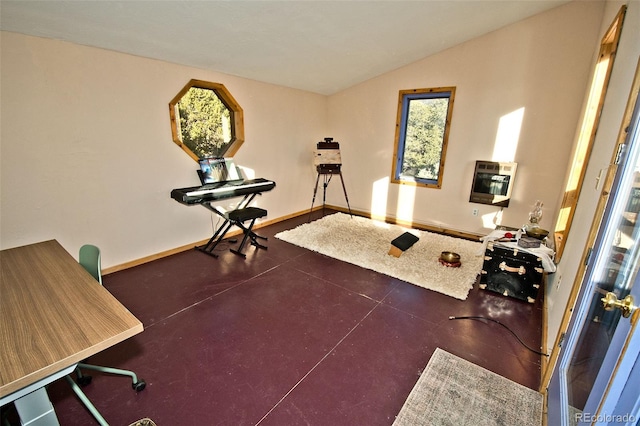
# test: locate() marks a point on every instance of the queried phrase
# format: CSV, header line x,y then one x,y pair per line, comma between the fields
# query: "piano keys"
x,y
221,190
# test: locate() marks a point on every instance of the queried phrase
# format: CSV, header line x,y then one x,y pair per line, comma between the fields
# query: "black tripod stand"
x,y
327,171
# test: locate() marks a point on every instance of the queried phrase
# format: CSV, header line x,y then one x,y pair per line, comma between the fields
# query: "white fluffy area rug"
x,y
454,392
365,242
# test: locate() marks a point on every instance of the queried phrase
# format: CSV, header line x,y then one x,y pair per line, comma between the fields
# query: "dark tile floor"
x,y
289,337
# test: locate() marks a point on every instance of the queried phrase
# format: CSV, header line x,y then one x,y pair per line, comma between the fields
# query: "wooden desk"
x,y
53,314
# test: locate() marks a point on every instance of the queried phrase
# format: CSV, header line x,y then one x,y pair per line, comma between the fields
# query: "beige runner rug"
x,y
453,391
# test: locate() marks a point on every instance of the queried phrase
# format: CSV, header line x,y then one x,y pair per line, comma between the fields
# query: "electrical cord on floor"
x,y
510,331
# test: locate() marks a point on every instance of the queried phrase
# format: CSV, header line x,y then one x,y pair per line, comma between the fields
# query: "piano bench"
x,y
237,217
248,213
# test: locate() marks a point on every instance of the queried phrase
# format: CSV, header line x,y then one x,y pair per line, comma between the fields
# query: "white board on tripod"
x,y
326,156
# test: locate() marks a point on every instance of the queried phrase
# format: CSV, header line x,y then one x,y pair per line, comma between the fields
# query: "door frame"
x,y
593,232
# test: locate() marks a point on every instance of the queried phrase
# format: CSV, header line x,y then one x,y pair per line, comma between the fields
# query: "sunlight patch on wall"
x,y
379,194
406,202
508,136
491,220
248,172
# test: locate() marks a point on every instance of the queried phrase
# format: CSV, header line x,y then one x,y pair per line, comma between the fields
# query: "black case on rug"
x,y
511,272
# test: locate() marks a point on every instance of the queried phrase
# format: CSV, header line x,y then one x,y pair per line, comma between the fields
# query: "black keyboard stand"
x,y
236,217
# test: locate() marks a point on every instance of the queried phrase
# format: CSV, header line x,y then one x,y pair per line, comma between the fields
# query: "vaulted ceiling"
x,y
318,46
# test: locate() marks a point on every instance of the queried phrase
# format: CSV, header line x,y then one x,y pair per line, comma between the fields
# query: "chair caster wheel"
x,y
139,386
84,380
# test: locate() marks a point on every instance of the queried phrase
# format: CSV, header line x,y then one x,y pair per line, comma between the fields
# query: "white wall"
x,y
87,154
541,64
561,283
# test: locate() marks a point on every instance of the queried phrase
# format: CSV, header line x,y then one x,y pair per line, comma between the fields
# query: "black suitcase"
x,y
511,272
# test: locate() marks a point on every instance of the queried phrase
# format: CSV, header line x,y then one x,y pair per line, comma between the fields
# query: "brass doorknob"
x,y
610,302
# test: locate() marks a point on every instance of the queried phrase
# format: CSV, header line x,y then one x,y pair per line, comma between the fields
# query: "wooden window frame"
x,y
589,127
404,97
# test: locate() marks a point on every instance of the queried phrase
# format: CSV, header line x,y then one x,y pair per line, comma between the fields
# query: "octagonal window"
x,y
206,121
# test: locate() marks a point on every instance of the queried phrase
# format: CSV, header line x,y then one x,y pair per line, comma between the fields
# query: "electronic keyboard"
x,y
221,190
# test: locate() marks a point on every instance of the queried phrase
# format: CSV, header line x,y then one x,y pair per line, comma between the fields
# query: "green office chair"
x,y
89,258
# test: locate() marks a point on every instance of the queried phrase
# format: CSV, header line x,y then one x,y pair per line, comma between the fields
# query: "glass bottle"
x,y
534,216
